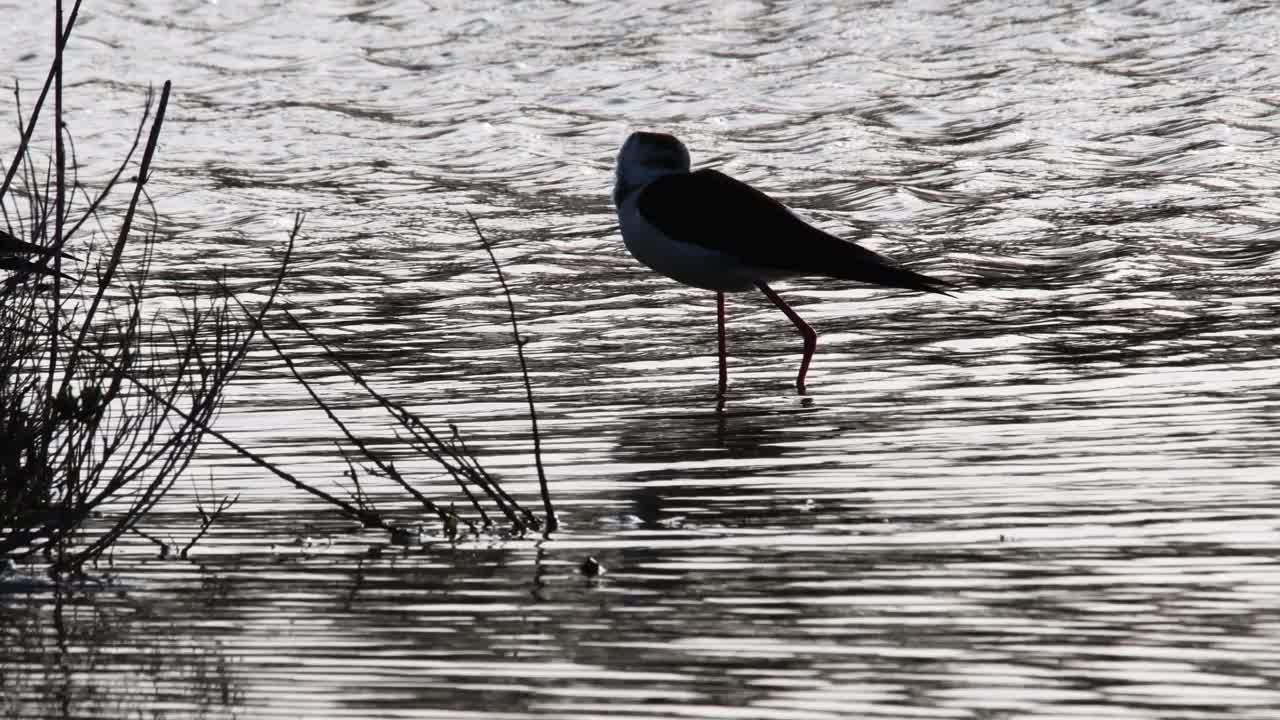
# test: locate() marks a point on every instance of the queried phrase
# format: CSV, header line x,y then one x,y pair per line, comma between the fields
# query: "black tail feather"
x,y
870,267
901,277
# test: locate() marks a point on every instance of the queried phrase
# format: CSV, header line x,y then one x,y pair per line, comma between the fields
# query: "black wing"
x,y
711,209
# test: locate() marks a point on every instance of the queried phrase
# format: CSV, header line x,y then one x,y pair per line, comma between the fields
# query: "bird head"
x,y
645,157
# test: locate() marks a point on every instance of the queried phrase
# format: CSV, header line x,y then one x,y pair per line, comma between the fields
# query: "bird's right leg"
x,y
806,332
724,362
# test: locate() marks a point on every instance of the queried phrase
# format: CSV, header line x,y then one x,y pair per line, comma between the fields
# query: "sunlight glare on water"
x,y
1052,496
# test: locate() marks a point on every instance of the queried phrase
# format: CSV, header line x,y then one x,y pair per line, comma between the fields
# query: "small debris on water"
x,y
591,567
407,536
627,521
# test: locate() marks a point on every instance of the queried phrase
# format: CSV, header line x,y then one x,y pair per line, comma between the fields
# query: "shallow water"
x,y
1053,496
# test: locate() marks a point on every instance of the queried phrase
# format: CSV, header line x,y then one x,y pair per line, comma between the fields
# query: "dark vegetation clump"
x,y
104,401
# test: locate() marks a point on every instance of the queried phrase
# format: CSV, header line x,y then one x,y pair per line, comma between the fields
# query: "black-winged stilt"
x,y
710,231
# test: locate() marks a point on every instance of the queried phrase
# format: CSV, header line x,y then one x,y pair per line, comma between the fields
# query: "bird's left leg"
x,y
724,363
806,332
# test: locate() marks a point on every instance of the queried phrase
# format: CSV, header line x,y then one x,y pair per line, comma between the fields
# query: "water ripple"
x,y
1051,496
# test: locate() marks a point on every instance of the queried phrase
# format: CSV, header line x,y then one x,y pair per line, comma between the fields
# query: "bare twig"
x,y
367,518
551,522
143,175
207,519
164,546
60,201
426,440
25,142
357,495
360,444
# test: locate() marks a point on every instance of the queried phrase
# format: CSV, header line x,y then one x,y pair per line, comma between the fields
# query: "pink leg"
x,y
806,332
724,366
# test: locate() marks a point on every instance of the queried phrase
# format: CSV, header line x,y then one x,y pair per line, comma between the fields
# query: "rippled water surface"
x,y
1052,496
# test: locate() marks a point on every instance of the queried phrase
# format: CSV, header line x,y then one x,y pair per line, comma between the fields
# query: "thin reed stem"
x,y
114,263
59,203
424,439
552,524
360,444
30,127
